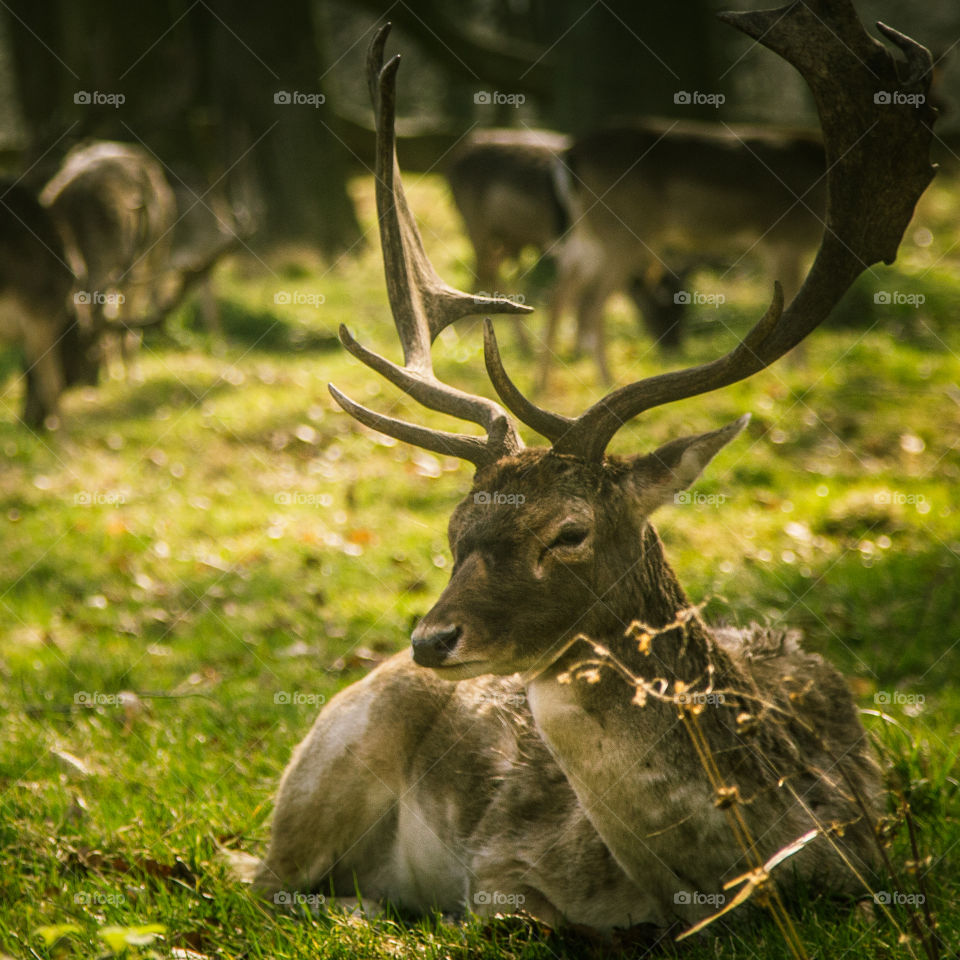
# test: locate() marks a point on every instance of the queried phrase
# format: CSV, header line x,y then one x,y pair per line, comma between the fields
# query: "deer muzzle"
x,y
432,645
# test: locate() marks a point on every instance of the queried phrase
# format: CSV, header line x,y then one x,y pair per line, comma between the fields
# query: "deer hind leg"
x,y
658,296
565,289
576,272
591,321
487,897
513,252
130,342
489,256
491,252
349,816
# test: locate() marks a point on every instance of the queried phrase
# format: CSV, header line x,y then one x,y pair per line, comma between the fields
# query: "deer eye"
x,y
569,537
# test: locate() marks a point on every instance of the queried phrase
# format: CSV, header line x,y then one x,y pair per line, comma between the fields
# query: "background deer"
x,y
505,184
115,210
559,773
656,199
208,227
514,191
508,186
136,245
36,302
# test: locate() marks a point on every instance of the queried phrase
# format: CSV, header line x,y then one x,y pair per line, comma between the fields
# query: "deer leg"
x,y
489,258
591,321
209,308
487,898
586,323
563,291
44,377
334,814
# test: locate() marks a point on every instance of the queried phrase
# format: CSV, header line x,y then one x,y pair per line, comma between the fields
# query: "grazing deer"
x,y
115,209
36,309
655,199
208,228
508,186
505,185
513,190
552,744
137,246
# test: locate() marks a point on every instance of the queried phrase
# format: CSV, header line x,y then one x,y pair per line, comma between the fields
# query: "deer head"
x,y
555,542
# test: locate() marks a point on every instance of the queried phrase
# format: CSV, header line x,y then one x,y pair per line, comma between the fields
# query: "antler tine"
x,y
421,303
918,59
461,445
877,168
553,426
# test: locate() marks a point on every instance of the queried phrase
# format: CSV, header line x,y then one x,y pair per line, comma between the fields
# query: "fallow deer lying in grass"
x,y
548,744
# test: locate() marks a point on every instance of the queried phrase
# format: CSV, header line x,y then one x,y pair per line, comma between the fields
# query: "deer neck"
x,y
644,619
629,762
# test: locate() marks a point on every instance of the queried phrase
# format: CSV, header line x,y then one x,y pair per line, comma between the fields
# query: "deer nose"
x,y
432,645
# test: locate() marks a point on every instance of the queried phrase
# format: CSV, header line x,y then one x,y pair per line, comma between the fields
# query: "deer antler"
x,y
877,168
422,305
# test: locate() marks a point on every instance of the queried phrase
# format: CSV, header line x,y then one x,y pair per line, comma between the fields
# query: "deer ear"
x,y
659,476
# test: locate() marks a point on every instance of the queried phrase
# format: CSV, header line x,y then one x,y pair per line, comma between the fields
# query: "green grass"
x,y
212,532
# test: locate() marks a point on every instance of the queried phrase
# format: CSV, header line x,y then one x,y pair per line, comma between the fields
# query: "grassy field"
x,y
207,549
